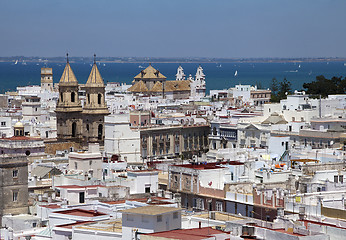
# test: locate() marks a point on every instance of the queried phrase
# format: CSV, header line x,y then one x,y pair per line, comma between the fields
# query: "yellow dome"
x,y
18,125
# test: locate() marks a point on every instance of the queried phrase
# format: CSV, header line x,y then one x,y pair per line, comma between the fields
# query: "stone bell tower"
x,y
69,108
95,108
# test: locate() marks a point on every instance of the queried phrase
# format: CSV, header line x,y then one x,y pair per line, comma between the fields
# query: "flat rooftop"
x,y
188,234
219,216
151,210
70,225
200,166
82,213
114,225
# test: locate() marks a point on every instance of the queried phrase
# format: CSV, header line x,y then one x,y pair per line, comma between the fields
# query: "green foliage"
x,y
259,85
280,90
285,89
324,87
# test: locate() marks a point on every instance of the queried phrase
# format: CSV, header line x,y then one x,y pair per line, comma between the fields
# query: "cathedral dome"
x,y
18,125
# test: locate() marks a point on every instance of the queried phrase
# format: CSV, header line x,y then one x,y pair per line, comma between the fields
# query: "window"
x,y
341,178
175,215
99,98
336,178
34,225
200,204
3,124
159,218
15,173
61,97
100,132
219,206
74,129
75,165
73,96
15,196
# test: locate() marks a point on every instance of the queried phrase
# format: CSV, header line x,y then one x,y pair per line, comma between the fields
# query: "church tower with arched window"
x,y
69,107
95,108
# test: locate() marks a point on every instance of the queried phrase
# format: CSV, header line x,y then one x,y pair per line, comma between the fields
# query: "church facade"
x,y
77,123
151,82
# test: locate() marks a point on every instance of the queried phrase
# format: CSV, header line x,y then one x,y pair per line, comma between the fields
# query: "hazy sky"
x,y
174,28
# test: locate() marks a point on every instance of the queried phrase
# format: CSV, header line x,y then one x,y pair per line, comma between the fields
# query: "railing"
x,y
283,155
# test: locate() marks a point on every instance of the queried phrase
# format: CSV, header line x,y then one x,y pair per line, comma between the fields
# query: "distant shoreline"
x,y
165,60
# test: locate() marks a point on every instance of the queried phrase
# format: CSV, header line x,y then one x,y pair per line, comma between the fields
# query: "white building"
x,y
6,126
149,219
198,84
180,74
242,91
120,139
146,181
90,163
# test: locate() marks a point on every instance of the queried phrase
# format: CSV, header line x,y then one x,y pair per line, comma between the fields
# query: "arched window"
x,y
88,98
61,97
74,129
73,96
87,127
100,132
99,98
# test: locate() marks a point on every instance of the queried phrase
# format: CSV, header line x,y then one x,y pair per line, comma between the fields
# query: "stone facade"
x,y
174,140
74,122
13,185
47,79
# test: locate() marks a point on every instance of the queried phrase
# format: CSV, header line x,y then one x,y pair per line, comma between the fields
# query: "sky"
x,y
173,28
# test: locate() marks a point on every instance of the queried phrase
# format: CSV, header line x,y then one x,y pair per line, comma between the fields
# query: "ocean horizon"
x,y
218,75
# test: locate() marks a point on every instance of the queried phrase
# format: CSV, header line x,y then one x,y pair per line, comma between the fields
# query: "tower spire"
x,y
67,57
94,58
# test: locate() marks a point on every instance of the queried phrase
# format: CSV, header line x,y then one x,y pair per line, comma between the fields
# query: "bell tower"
x,y
69,108
95,108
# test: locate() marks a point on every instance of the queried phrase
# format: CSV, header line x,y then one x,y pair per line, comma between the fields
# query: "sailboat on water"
x,y
236,73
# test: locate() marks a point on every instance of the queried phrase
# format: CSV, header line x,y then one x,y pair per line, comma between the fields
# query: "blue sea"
x,y
218,76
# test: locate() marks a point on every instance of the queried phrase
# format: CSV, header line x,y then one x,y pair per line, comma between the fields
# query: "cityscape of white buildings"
x,y
172,162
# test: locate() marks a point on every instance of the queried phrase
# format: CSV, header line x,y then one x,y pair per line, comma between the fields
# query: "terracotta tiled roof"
x,y
182,85
188,234
82,213
150,73
157,87
70,225
138,87
68,75
94,77
21,138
